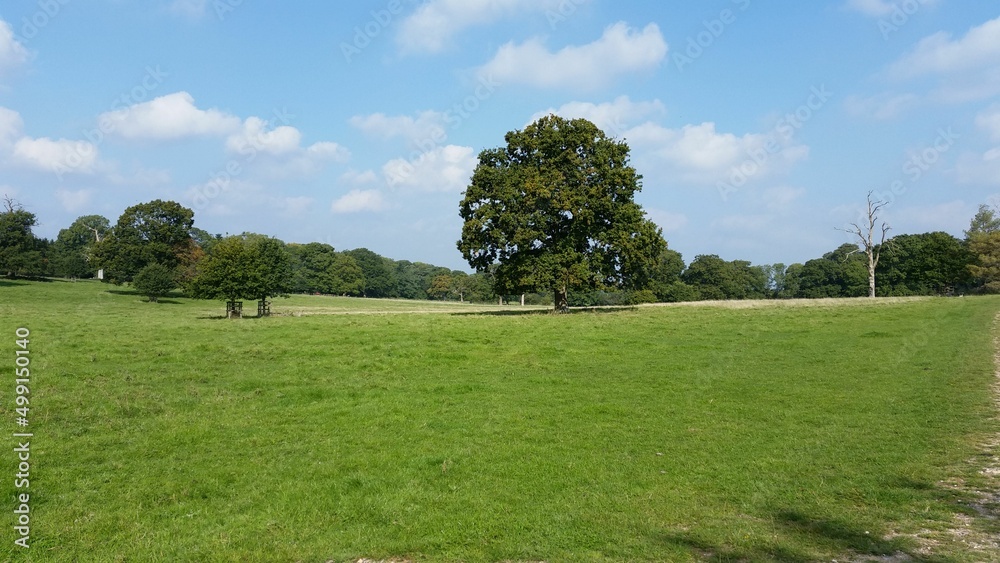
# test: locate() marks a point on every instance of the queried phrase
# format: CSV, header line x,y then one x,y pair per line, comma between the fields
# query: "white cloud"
x,y
883,106
435,22
297,162
357,201
59,156
12,52
989,121
326,150
611,117
355,178
940,54
193,9
698,154
169,117
74,201
11,126
426,126
621,50
256,137
445,169
881,8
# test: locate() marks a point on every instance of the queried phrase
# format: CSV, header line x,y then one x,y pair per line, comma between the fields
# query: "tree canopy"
x,y
158,232
72,249
555,209
247,266
19,249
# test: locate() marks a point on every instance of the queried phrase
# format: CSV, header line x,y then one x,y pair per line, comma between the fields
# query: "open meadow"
x,y
342,429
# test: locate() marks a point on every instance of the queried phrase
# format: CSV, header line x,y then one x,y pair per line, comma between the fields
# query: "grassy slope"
x,y
650,434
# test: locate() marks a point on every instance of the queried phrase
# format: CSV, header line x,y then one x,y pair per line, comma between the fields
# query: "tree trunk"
x,y
871,275
522,300
561,300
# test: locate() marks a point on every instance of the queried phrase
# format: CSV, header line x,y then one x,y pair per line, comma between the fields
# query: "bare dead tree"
x,y
866,233
10,205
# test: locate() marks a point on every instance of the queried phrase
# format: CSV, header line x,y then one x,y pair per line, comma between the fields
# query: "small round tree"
x,y
247,266
154,281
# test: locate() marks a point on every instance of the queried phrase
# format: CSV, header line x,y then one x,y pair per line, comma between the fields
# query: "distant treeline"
x,y
923,264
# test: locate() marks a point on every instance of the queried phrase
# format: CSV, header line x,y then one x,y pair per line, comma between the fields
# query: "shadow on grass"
x,y
237,319
10,283
573,311
801,531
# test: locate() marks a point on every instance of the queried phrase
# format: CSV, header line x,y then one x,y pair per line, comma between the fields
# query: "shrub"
x,y
154,281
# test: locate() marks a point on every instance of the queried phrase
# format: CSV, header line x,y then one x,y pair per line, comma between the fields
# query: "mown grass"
x,y
163,433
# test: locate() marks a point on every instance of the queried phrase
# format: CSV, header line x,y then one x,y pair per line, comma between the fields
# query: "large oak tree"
x,y
555,210
158,232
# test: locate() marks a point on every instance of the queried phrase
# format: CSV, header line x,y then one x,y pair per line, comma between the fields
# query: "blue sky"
x,y
759,127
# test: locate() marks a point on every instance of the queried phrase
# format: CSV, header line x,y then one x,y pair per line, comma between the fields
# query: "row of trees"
x,y
156,247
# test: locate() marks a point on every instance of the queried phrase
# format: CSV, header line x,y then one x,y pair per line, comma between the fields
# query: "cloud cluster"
x,y
12,52
620,50
171,117
431,27
60,156
880,8
426,125
614,117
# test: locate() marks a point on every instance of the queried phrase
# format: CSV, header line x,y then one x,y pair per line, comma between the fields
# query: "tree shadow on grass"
x,y
853,542
572,311
10,283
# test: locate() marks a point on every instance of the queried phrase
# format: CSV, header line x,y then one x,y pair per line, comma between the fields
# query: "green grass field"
x,y
343,429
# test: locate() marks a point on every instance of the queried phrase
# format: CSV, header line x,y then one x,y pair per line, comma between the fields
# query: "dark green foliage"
x,y
379,278
927,264
666,272
247,266
158,232
20,252
555,210
414,279
318,268
71,249
222,273
268,267
984,222
841,273
715,279
204,239
312,267
155,281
